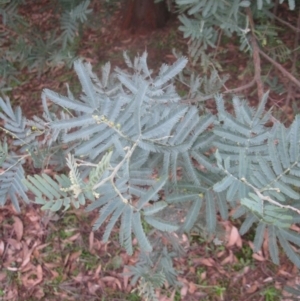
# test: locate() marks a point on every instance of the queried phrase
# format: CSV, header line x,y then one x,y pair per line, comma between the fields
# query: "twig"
x,y
239,89
116,169
275,9
256,57
268,198
271,15
295,57
280,68
13,165
218,43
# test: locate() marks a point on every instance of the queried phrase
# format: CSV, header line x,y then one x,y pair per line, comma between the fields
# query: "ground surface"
x,y
58,257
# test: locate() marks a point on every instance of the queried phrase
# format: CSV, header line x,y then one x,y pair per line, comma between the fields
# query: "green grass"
x,y
244,256
271,294
111,295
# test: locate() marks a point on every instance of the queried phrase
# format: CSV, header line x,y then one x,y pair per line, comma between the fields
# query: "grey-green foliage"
x,y
139,154
12,171
261,168
11,183
26,45
153,269
294,291
204,21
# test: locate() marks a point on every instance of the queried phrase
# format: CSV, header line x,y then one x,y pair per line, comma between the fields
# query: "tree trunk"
x,y
145,14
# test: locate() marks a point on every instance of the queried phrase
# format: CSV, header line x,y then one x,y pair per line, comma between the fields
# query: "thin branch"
x,y
116,169
271,15
13,165
256,57
280,68
295,59
268,198
275,9
239,89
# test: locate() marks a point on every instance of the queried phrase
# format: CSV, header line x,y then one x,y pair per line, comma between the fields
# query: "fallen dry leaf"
x,y
112,280
268,279
2,276
39,293
27,254
2,247
258,257
229,259
209,262
92,287
251,289
14,243
183,291
98,271
234,238
18,227
91,241
72,238
192,287
75,255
